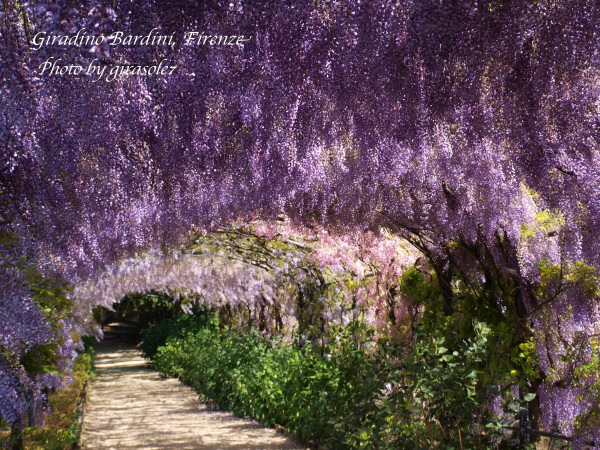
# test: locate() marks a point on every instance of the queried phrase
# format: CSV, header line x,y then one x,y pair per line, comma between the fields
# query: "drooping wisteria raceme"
x,y
469,128
373,260
274,280
23,325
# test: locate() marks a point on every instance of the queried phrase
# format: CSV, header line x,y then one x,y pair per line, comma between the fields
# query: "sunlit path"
x,y
130,406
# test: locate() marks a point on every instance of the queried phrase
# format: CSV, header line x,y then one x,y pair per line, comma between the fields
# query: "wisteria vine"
x,y
468,128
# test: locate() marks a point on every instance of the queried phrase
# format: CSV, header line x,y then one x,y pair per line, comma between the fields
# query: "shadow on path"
x,y
130,406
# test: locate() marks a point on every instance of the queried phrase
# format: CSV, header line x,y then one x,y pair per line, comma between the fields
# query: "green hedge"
x,y
344,394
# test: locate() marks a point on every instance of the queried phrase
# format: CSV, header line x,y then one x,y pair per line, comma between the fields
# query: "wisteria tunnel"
x,y
403,192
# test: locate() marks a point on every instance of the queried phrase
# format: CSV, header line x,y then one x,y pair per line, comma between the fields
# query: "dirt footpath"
x,y
130,406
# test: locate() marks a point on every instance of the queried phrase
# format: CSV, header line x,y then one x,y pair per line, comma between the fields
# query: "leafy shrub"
x,y
157,333
346,394
434,396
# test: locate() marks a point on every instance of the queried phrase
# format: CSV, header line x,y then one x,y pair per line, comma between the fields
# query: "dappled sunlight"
x,y
130,406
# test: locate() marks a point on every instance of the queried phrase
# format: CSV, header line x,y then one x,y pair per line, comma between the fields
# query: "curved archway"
x,y
468,129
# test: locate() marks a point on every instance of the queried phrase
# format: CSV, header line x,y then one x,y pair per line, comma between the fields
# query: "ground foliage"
x,y
342,391
468,128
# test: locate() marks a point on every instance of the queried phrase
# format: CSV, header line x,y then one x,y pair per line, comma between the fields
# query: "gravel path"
x,y
130,406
